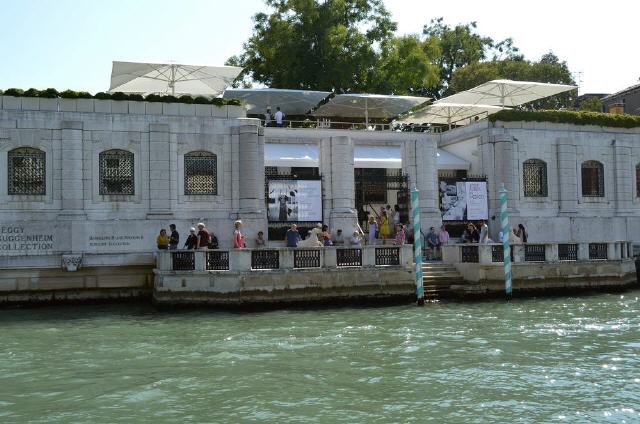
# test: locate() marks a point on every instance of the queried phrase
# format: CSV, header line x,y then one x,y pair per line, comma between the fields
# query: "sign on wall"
x,y
294,200
463,200
476,200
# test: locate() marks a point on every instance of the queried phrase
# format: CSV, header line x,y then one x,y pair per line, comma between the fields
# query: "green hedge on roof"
x,y
568,117
52,93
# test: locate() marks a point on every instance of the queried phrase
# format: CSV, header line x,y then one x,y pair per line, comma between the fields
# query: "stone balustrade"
x,y
492,253
270,259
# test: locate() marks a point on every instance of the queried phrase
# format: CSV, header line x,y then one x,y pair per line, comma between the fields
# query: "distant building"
x,y
625,101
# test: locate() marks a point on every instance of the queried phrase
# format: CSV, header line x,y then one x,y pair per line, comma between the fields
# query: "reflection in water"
x,y
539,360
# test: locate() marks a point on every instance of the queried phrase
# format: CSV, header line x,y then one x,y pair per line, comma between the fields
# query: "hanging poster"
x,y
452,200
476,195
294,200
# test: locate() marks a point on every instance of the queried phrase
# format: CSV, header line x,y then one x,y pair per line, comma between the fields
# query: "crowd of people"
x,y
381,230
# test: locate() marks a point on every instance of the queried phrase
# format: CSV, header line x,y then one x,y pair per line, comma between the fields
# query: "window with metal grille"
x,y
116,172
638,180
592,179
200,173
534,173
27,171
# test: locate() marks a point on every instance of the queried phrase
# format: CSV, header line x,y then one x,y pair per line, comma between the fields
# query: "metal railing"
x,y
183,261
265,259
306,258
217,260
470,254
386,256
348,257
534,253
568,252
597,251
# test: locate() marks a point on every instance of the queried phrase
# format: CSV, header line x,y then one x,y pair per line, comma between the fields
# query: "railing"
x,y
257,260
491,253
265,259
329,124
306,258
568,252
387,256
217,260
183,261
348,257
534,253
597,251
470,254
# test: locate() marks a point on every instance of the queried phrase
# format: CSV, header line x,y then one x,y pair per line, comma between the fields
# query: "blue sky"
x,y
71,43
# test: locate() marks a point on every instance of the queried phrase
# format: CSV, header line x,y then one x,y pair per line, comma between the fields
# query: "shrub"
x,y
70,94
185,99
136,97
170,99
234,102
32,92
201,100
102,96
49,93
568,117
218,101
153,98
15,92
119,95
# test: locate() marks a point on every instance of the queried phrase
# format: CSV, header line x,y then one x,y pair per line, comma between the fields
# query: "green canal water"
x,y
539,360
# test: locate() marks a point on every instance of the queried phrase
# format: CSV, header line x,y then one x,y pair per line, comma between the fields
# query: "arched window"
x,y
116,172
27,172
592,179
638,180
534,174
200,173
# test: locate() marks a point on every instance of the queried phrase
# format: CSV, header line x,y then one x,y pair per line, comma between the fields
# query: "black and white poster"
x,y
453,200
476,195
295,200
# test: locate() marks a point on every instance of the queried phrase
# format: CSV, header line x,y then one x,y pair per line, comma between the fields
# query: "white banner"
x,y
477,200
295,200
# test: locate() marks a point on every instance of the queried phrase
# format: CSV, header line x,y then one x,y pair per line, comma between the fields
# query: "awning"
x,y
291,102
291,155
449,113
367,106
307,156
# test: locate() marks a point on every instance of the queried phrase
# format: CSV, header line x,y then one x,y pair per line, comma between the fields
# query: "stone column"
x,y
506,168
427,182
159,172
72,189
251,169
339,182
623,175
567,178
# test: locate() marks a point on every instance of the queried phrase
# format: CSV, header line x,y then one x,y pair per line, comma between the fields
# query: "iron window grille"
x,y
470,254
387,256
592,179
306,258
27,171
534,173
116,173
200,173
568,252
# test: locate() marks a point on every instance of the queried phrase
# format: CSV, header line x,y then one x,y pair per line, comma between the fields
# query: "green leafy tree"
x,y
461,46
407,66
314,44
548,69
590,104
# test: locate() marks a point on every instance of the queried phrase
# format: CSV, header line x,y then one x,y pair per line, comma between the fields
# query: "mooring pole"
x,y
417,243
504,218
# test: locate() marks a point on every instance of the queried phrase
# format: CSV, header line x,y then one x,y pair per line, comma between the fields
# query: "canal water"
x,y
539,360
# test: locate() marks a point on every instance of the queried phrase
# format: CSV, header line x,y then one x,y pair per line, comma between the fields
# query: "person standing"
x,y
174,239
356,239
260,241
293,236
267,118
400,235
203,237
484,232
432,241
373,228
338,238
279,117
443,235
522,233
385,227
162,241
238,238
396,215
326,236
192,239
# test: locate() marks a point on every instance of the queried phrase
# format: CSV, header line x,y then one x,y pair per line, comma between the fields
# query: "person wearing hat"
x,y
192,239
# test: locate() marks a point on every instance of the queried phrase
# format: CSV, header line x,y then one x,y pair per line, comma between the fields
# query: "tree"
x,y
548,69
407,66
461,46
590,104
318,45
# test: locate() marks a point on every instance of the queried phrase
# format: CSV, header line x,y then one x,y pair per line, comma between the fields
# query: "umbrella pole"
x,y
366,113
172,83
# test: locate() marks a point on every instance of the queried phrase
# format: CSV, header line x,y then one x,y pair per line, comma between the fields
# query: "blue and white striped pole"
x,y
504,219
417,243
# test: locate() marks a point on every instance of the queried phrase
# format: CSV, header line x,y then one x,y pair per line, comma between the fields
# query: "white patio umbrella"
x,y
507,93
368,106
292,102
449,113
171,78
